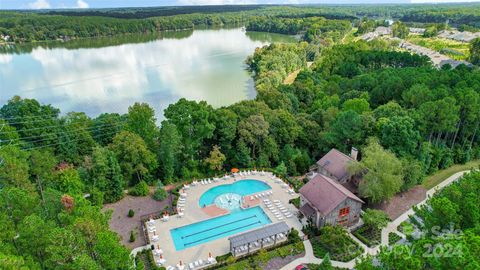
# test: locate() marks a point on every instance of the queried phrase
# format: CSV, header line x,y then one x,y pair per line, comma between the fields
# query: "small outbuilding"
x,y
256,239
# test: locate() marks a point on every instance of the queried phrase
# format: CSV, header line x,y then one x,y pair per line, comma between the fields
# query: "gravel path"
x,y
122,224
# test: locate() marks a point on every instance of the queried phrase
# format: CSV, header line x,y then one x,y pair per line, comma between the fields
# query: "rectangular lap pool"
x,y
219,227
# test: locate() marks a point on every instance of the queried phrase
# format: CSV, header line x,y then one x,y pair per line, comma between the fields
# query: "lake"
x,y
109,74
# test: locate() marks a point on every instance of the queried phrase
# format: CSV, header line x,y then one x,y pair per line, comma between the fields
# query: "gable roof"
x,y
335,162
325,194
307,210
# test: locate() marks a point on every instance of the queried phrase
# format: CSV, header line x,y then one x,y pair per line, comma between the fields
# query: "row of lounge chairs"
x,y
201,263
261,195
277,209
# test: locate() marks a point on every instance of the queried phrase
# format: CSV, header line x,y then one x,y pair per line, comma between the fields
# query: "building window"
x,y
344,211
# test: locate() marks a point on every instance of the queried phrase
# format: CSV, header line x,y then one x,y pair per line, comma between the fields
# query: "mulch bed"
x,y
402,202
279,262
122,224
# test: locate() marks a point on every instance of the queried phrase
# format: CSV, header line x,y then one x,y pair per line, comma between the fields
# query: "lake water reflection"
x,y
108,75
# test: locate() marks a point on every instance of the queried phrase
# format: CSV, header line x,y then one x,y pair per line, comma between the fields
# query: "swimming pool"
x,y
232,192
219,227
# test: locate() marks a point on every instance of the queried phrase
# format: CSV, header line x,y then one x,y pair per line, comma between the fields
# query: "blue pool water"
x,y
241,187
219,227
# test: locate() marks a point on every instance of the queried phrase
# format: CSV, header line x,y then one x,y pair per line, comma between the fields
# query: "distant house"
x,y
416,30
383,31
324,201
334,165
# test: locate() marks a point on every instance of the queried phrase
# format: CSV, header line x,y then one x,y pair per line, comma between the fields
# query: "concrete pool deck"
x,y
194,213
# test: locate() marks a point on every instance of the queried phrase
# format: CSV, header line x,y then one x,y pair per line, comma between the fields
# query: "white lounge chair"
x,y
191,266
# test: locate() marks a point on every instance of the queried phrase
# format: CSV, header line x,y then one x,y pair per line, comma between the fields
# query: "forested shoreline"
x,y
66,25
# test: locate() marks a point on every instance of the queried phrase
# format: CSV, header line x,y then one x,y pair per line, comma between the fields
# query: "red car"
x,y
301,267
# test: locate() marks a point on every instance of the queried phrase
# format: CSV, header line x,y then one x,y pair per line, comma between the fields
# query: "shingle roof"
x,y
258,234
335,162
307,210
325,194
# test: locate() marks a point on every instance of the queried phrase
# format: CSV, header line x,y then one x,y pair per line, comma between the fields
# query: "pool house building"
x,y
324,201
269,235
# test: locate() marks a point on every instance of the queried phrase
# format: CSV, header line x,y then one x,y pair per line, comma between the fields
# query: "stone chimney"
x,y
354,153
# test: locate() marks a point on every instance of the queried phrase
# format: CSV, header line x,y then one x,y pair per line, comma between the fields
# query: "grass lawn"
x,y
439,176
438,44
291,77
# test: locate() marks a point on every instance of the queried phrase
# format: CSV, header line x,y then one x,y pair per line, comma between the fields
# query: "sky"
x,y
56,4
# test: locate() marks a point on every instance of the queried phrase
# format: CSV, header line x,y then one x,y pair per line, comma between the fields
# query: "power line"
x,y
70,132
59,143
39,128
28,116
34,121
92,128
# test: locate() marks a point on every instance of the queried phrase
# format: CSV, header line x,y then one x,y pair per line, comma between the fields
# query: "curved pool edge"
x,y
243,187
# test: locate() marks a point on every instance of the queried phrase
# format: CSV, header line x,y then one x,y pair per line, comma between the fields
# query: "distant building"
x,y
334,165
378,32
324,201
383,31
464,36
416,30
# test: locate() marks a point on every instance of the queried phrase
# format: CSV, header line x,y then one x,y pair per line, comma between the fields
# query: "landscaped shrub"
x,y
295,202
294,236
139,264
131,213
253,261
147,256
223,258
311,230
140,189
336,242
160,194
393,238
132,236
369,236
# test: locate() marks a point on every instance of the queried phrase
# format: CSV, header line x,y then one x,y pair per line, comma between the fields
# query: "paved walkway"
x,y
391,227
